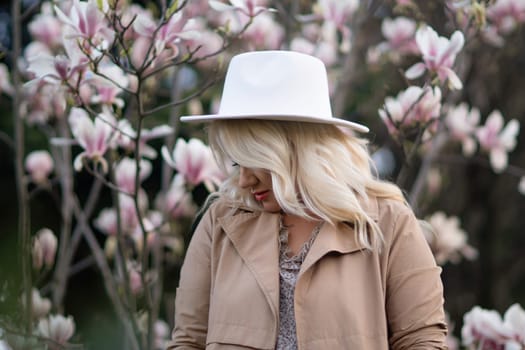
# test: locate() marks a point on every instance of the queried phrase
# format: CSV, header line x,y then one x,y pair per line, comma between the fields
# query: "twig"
x,y
182,101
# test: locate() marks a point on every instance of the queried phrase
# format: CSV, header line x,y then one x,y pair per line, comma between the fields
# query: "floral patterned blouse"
x,y
289,271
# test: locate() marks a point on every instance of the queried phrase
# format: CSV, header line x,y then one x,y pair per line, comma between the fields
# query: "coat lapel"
x,y
341,239
255,237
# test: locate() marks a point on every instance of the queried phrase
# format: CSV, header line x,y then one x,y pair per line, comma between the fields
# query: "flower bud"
x,y
44,249
39,165
57,328
41,306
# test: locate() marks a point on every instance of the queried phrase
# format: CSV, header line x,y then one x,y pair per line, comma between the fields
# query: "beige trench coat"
x,y
345,297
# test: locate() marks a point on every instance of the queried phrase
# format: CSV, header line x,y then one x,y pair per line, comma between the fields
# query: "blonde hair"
x,y
317,170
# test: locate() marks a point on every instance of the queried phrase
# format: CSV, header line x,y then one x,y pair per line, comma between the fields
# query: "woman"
x,y
303,248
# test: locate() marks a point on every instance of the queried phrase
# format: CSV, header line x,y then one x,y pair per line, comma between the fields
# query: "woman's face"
x,y
259,183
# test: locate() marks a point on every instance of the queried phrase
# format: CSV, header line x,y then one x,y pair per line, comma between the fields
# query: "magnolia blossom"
x,y
44,248
336,14
5,84
337,11
135,278
514,319
447,240
206,43
55,69
87,22
194,160
177,201
439,54
264,33
399,33
462,124
106,221
250,8
43,102
126,171
109,82
161,331
96,137
39,165
46,28
486,330
506,14
41,306
413,106
498,140
127,136
317,40
165,36
57,328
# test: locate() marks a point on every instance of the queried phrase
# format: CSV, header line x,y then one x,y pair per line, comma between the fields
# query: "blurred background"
x,y
489,268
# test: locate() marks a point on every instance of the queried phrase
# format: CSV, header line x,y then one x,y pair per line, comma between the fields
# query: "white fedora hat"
x,y
276,85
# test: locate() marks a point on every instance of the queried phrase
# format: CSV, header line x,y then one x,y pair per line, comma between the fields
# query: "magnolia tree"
x,y
105,83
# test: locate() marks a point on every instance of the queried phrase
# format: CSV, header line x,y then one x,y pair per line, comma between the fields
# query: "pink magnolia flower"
x,y
207,43
161,331
106,221
319,41
506,14
57,328
87,22
194,160
484,329
108,82
135,278
165,37
55,69
447,240
125,173
439,55
250,8
44,248
498,140
336,14
43,102
337,11
264,33
411,107
462,124
399,33
39,165
514,319
46,28
5,84
324,50
41,306
177,202
127,136
96,137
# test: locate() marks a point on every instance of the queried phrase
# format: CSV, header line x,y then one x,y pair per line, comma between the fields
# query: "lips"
x,y
262,195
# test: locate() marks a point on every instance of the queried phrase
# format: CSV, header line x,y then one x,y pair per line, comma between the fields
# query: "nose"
x,y
246,178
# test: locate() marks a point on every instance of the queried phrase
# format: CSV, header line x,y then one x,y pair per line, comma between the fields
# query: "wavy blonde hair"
x,y
317,170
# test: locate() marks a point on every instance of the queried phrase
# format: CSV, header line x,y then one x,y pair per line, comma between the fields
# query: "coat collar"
x,y
255,237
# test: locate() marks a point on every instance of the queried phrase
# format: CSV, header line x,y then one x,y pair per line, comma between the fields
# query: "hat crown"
x,y
276,83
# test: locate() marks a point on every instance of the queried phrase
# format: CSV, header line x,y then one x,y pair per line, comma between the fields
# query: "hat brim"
x,y
296,118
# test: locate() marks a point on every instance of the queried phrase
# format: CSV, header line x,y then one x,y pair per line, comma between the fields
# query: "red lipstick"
x,y
260,196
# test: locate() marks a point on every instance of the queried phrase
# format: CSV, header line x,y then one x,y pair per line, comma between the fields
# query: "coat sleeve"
x,y
414,293
193,294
